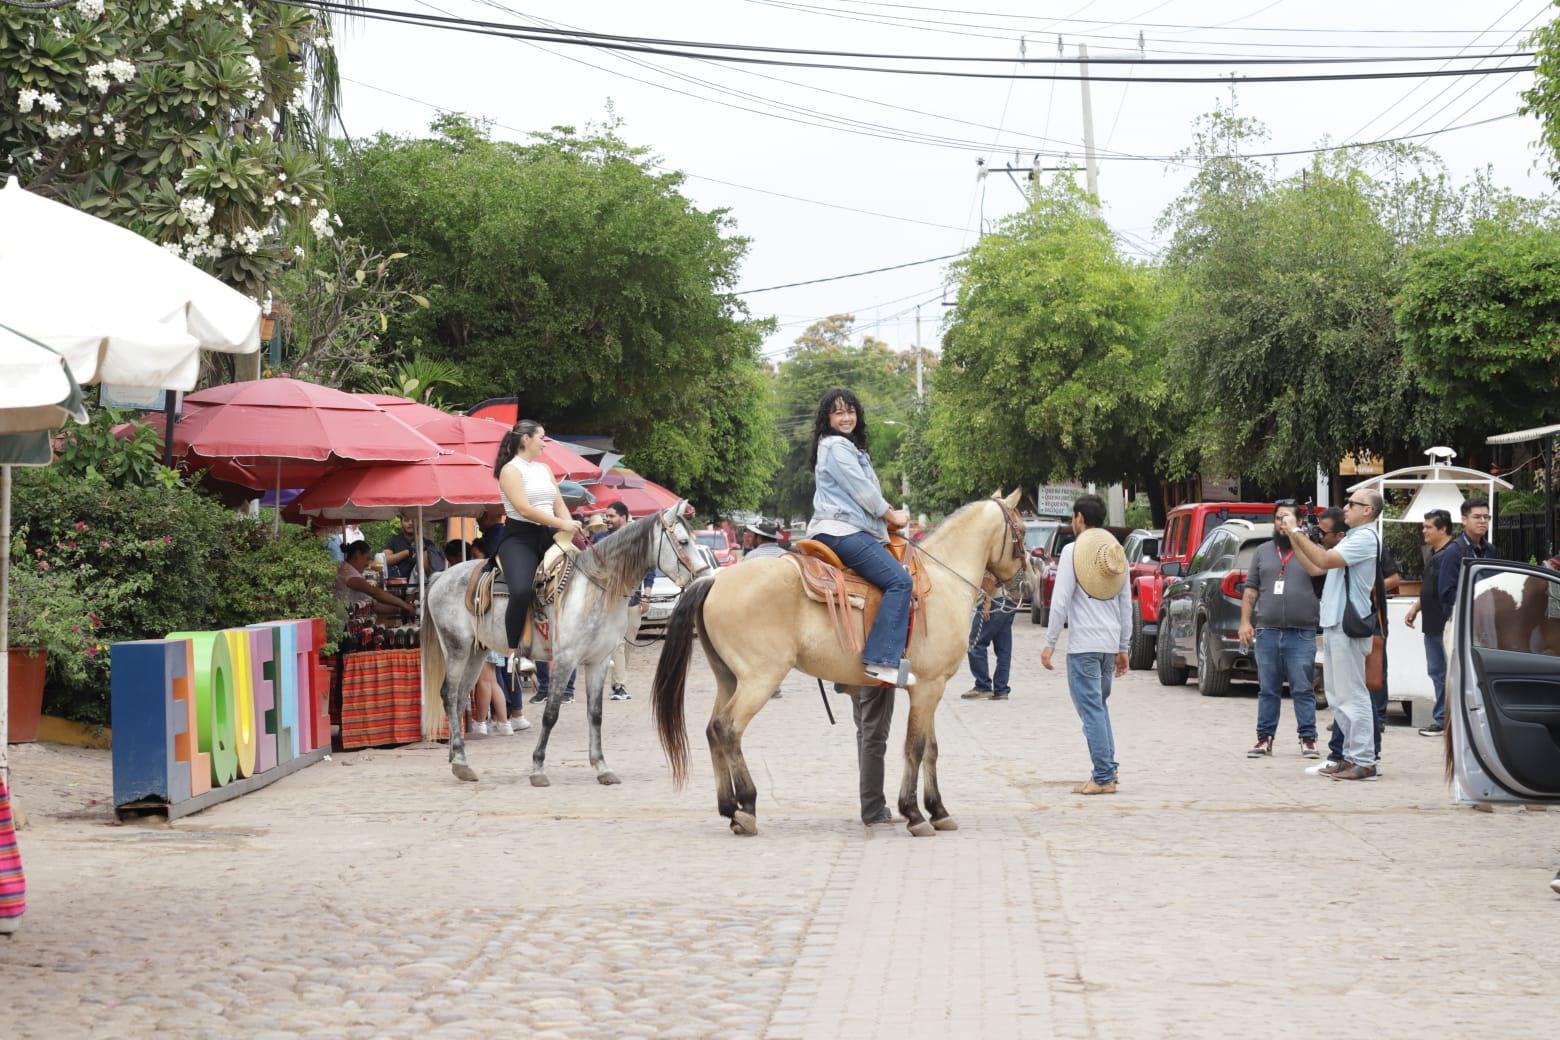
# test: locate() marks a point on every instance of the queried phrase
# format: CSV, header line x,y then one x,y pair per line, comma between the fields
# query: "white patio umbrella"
x,y
122,310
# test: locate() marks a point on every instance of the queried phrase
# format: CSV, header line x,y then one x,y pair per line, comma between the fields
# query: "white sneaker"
x,y
888,673
478,729
519,724
502,728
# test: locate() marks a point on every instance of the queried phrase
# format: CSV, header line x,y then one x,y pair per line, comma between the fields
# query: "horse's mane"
x,y
619,561
951,517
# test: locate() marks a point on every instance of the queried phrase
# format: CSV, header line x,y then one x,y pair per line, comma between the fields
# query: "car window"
x,y
1212,548
1038,536
1150,548
1247,551
1182,530
1133,547
713,539
1519,612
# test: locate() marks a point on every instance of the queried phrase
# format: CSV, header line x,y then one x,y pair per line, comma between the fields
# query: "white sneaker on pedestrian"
x,y
502,728
478,729
519,724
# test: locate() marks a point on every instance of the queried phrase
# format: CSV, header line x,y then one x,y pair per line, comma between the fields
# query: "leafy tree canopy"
x,y
1479,320
193,123
573,273
1049,367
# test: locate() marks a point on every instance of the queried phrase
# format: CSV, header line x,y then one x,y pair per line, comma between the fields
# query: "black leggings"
x,y
520,553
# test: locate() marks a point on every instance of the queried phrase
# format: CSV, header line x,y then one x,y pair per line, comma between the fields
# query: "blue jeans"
x,y
544,678
997,633
1286,653
1088,680
1435,664
866,556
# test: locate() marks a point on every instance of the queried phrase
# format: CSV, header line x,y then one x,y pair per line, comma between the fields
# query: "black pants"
x,y
520,553
873,709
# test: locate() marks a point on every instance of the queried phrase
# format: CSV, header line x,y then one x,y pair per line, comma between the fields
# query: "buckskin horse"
x,y
756,623
588,620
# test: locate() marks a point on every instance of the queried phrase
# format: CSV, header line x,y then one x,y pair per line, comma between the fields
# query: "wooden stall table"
x,y
381,699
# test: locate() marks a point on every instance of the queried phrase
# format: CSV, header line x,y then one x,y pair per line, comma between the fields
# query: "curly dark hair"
x,y
822,429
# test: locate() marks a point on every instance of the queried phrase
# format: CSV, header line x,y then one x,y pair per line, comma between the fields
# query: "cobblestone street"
x,y
374,895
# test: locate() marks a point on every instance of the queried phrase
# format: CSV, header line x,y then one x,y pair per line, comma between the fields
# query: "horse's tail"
x,y
433,670
671,676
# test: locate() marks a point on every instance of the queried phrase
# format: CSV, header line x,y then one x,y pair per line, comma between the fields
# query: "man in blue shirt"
x,y
1474,541
1351,574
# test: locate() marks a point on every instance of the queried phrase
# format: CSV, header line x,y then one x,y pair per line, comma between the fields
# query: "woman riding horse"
x,y
533,509
851,516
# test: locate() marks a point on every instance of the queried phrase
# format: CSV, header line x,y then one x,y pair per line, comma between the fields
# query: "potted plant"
x,y
51,630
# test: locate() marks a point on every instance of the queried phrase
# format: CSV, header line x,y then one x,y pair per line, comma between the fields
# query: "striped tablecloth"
x,y
13,886
381,700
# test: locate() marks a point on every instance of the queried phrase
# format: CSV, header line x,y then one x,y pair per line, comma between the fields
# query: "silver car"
x,y
661,600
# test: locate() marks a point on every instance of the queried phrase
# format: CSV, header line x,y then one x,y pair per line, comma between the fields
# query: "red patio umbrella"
x,y
450,484
412,413
481,437
644,498
288,433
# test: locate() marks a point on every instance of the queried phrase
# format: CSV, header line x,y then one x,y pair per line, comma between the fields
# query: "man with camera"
x,y
1278,591
1347,623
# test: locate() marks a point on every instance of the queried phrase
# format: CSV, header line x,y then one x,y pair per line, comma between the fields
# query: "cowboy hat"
x,y
1099,563
597,522
764,529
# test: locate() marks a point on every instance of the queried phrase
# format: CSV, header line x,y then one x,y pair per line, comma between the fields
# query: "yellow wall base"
x,y
52,730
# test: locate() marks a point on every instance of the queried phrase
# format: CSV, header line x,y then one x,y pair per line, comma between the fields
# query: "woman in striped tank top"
x,y
533,510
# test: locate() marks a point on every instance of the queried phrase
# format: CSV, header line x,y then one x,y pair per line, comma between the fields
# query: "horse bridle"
x,y
668,533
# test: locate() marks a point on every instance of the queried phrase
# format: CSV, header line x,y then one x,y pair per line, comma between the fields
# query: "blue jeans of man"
x,y
995,632
865,555
1286,654
1435,664
1088,680
544,678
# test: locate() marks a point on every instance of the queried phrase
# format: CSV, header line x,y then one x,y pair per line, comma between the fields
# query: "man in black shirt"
x,y
1438,535
398,554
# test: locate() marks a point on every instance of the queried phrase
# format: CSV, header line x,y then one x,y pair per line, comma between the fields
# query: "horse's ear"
x,y
997,493
1013,499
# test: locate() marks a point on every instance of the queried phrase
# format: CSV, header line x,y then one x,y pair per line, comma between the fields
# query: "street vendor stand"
x,y
382,697
1436,486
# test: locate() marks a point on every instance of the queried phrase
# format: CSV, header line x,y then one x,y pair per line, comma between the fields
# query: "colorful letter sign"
x,y
204,710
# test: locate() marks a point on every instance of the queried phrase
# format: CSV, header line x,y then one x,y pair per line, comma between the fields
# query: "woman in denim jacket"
x,y
851,516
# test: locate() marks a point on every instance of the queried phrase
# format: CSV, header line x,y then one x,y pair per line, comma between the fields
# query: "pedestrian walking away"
x,y
1278,616
1093,601
1437,531
992,626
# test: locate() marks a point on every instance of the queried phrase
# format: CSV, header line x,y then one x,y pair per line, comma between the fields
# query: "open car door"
x,y
1503,683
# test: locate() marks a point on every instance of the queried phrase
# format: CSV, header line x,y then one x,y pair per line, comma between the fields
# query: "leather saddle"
x,y
488,585
828,581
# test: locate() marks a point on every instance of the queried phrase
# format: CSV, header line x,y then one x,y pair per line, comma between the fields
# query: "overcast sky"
x,y
926,192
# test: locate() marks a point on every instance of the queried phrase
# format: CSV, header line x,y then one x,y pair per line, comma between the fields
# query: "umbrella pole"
x,y
422,602
5,624
276,516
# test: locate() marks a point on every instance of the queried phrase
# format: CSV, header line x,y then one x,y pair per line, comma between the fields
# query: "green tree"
x,y
192,123
825,356
1479,320
1049,367
573,273
1542,99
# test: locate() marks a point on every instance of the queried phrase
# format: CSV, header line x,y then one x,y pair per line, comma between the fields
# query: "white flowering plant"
x,y
184,120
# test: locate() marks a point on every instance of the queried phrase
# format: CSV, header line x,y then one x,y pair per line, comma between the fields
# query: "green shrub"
x,y
48,612
155,559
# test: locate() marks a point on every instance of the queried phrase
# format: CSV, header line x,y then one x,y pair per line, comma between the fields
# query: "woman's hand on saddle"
x,y
897,518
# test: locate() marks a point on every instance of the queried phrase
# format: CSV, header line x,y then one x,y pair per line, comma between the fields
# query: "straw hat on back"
x,y
1099,563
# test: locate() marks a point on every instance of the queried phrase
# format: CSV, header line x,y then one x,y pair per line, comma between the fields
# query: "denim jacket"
x,y
847,491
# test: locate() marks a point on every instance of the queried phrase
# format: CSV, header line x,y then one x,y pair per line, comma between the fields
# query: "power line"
x,y
853,274
601,41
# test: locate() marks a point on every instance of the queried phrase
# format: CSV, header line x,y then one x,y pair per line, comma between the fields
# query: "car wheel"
x,y
1212,681
1170,673
1140,655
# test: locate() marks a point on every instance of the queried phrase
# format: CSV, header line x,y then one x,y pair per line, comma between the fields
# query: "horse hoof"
x,y
463,772
540,780
947,823
608,778
922,829
744,824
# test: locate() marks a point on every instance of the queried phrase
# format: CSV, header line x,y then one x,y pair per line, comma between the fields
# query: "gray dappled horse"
x,y
589,619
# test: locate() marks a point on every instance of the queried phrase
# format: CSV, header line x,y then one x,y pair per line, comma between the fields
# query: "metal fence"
x,y
1520,536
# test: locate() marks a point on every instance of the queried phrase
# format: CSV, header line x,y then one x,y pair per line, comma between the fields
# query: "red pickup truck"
x,y
1184,530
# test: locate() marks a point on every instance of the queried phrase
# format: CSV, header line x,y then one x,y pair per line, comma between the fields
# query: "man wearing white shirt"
x,y
1093,600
